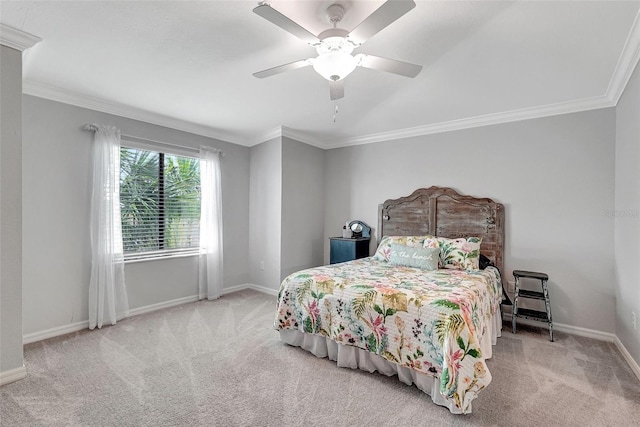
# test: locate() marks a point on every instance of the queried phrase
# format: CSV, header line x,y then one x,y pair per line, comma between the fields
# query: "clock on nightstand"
x,y
347,249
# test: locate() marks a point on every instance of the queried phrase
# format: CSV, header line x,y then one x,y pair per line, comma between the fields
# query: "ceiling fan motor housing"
x,y
335,13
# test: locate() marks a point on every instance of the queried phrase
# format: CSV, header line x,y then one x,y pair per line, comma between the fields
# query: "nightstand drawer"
x,y
342,250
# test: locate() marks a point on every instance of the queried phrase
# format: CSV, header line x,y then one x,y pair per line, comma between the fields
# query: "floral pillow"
x,y
458,254
414,256
384,248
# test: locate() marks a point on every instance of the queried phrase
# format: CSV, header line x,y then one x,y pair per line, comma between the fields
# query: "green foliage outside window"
x,y
159,201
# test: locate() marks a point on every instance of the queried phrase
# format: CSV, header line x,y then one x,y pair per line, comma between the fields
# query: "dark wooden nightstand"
x,y
342,250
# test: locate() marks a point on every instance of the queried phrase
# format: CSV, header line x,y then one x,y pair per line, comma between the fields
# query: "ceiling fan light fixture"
x,y
334,61
334,66
335,45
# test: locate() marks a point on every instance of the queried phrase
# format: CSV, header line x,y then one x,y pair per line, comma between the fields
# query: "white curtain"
x,y
107,292
210,264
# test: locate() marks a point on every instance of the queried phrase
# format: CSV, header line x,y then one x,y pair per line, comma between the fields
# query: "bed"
x,y
421,308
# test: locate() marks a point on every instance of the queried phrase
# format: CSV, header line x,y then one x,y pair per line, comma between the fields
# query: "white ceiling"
x,y
189,64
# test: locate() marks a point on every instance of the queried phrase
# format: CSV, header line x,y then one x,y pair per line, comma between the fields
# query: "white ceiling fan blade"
x,y
388,65
277,18
282,68
336,89
390,11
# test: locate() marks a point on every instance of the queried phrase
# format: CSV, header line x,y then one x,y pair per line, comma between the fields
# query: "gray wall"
x,y
11,356
56,197
265,213
287,210
554,175
302,206
627,216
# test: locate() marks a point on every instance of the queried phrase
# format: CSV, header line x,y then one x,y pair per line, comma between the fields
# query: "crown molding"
x,y
302,137
478,121
587,104
41,90
271,134
17,39
286,132
628,60
79,100
626,63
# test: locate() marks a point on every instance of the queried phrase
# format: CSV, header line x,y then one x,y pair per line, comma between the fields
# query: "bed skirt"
x,y
353,357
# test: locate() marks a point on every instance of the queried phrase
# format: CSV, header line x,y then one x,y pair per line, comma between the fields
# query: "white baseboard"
x,y
589,333
54,332
79,326
161,305
627,356
12,375
584,332
258,288
19,373
569,329
232,289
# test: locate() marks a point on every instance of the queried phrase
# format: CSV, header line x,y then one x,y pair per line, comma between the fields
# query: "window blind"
x,y
159,203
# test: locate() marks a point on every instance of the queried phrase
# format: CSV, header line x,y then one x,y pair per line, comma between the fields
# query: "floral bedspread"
x,y
430,321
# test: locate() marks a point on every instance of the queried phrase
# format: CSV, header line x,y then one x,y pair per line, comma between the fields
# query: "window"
x,y
159,203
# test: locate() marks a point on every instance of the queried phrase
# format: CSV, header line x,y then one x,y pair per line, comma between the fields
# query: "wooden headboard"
x,y
443,212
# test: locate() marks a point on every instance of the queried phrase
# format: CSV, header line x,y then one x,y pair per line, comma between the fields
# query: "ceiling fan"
x,y
334,45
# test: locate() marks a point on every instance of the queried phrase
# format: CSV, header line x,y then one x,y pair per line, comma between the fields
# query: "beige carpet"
x,y
220,363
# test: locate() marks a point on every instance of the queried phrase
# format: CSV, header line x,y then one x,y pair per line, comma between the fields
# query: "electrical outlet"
x,y
261,265
511,286
633,320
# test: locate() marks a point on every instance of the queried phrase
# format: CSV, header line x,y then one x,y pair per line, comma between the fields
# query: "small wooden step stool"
x,y
541,316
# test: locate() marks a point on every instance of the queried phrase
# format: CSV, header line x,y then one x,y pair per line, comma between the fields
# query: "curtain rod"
x,y
93,128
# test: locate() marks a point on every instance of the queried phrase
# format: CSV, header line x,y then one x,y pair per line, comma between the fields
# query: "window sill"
x,y
160,257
